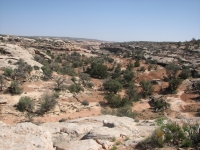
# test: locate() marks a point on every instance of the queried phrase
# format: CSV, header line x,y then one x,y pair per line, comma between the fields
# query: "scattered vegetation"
x,y
172,134
75,88
25,104
85,103
147,88
47,102
98,70
15,88
60,83
8,72
112,86
121,112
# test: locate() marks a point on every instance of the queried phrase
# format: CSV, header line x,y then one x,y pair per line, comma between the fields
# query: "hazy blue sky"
x,y
113,20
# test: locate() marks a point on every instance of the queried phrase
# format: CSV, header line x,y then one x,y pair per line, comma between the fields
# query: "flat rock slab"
x,y
79,145
24,136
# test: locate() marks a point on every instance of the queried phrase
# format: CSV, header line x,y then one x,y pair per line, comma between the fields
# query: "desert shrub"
x,y
54,66
130,66
15,88
125,111
172,134
76,64
59,83
89,84
75,88
98,70
132,93
142,69
172,70
147,88
109,59
85,103
73,79
8,72
25,104
36,67
174,83
114,148
137,63
112,86
113,99
128,76
47,72
47,102
187,143
67,69
117,72
22,70
160,121
56,94
186,73
150,67
158,104
86,80
63,120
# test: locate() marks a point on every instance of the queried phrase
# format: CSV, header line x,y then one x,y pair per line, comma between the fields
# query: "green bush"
x,y
112,86
47,102
125,111
150,67
15,88
98,70
132,93
117,72
63,120
113,99
36,67
172,134
75,88
147,88
172,70
47,72
25,104
142,69
8,72
67,69
137,63
174,83
85,103
89,84
128,76
186,73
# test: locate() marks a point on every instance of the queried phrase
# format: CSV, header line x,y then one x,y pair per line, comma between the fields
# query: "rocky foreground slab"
x,y
93,133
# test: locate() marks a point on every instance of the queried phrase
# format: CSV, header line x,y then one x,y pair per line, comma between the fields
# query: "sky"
x,y
109,20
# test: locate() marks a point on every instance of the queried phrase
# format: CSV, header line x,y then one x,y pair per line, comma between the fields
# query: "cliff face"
x,y
94,133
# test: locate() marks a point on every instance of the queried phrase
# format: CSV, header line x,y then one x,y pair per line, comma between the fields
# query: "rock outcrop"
x,y
80,134
13,53
24,136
